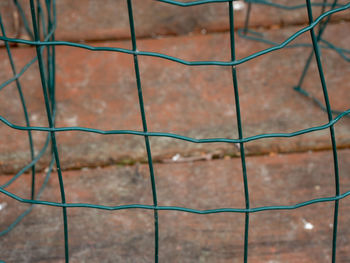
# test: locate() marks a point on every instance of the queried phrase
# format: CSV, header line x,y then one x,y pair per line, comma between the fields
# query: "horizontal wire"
x,y
177,136
178,60
257,36
263,2
289,7
177,208
193,3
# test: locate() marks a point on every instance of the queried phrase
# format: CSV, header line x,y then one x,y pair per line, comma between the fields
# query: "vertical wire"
x,y
41,21
41,27
321,29
51,54
331,128
25,111
247,18
38,12
240,132
53,58
52,133
24,19
144,124
48,48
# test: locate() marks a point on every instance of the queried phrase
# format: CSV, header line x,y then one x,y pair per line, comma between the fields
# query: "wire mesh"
x,y
41,29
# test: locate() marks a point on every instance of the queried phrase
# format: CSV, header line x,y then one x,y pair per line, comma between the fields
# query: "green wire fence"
x,y
41,28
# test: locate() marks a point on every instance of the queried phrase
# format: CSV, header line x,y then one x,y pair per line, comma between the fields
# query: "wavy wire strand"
x,y
177,136
263,2
178,60
177,208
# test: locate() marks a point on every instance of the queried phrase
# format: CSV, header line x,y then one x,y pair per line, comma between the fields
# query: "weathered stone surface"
x,y
301,235
108,19
98,90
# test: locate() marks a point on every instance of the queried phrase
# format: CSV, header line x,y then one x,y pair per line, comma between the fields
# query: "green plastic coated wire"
x,y
263,2
144,124
41,31
240,131
330,117
178,208
50,119
177,136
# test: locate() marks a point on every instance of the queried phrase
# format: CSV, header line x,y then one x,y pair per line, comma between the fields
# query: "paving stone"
x,y
108,19
301,235
98,90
